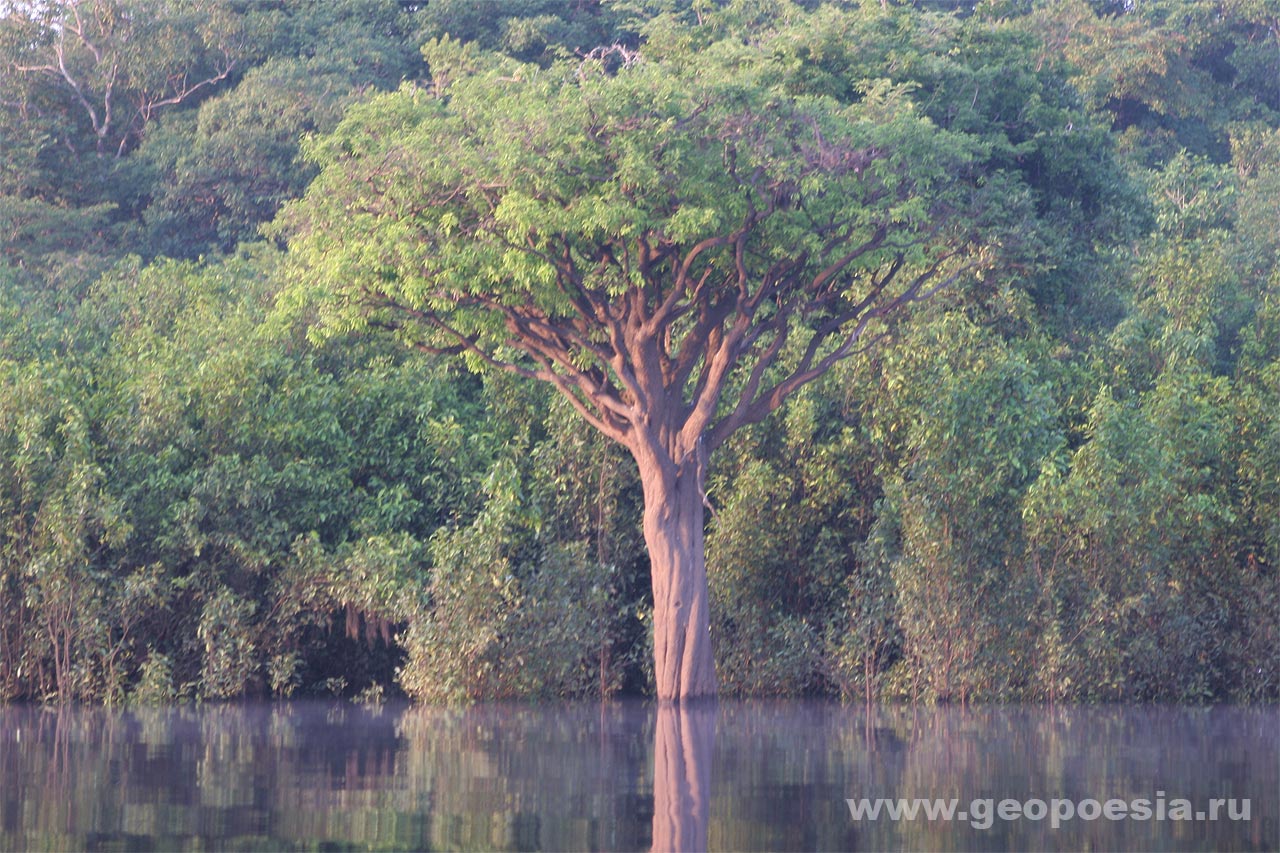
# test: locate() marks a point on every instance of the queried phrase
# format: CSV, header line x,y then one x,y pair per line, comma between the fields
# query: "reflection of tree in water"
x,y
683,744
739,776
510,776
63,753
164,778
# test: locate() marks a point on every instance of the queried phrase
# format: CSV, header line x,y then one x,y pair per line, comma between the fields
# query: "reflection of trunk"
x,y
683,664
683,738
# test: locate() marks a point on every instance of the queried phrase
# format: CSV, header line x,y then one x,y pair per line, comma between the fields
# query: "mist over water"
x,y
621,776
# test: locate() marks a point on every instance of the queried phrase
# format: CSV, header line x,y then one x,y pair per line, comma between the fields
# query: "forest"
x,y
229,468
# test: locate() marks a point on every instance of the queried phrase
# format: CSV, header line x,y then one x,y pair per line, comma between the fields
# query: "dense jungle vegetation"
x,y
1056,480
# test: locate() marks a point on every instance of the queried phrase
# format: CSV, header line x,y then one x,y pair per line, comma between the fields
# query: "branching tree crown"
x,y
675,245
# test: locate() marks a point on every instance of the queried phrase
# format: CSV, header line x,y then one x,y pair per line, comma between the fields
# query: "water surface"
x,y
622,776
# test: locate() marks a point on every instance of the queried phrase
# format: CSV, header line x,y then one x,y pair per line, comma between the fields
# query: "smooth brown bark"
x,y
684,667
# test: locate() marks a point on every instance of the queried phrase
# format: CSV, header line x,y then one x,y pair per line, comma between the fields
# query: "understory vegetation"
x,y
1056,480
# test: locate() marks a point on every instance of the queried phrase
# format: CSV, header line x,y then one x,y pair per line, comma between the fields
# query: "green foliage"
x,y
528,30
1171,74
779,587
980,424
108,66
57,619
155,682
510,617
1057,482
761,647
226,177
172,128
1133,549
1062,193
227,633
423,200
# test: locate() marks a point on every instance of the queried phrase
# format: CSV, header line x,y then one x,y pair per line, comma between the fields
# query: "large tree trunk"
x,y
683,664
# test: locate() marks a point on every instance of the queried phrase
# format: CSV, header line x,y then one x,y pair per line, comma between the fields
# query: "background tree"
x,y
117,65
225,168
528,30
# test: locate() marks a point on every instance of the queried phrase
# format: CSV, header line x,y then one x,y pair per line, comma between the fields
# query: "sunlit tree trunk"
x,y
673,531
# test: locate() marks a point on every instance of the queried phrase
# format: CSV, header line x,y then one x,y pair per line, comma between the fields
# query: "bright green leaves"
x,y
527,214
61,622
510,169
520,602
155,479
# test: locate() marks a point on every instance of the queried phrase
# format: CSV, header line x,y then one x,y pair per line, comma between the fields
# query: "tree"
x,y
114,64
1172,74
676,240
975,421
231,175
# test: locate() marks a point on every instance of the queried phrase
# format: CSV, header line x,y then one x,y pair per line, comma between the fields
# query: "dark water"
x,y
740,776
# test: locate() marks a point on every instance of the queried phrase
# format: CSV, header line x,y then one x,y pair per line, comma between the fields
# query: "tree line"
x,y
253,441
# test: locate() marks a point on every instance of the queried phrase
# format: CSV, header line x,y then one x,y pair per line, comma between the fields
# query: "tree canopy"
x,y
637,233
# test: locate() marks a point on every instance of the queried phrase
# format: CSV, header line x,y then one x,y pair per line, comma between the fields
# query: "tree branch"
x,y
604,417
753,406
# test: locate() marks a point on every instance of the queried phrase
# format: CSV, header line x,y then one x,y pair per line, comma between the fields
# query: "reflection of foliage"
x,y
581,776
